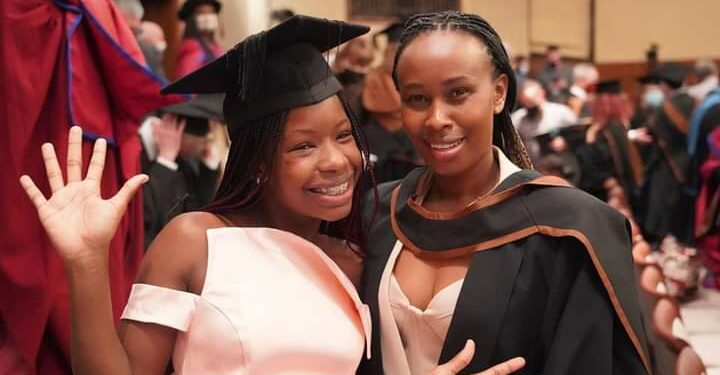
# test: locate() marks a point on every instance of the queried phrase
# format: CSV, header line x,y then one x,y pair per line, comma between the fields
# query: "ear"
x,y
500,88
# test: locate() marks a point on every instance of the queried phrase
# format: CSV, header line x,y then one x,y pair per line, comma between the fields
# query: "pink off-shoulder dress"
x,y
272,303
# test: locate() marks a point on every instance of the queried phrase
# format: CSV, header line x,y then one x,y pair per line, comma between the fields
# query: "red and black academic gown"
x,y
64,63
551,277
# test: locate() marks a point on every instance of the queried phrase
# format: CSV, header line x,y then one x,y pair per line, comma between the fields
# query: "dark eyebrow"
x,y
455,80
447,82
312,130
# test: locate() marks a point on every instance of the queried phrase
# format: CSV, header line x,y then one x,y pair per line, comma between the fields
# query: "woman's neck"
x,y
453,193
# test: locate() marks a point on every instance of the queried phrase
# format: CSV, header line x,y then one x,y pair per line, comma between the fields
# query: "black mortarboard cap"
x,y
273,71
207,106
197,111
189,7
608,87
670,73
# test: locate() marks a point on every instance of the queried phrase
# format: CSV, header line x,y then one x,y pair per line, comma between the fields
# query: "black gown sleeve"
x,y
587,337
162,196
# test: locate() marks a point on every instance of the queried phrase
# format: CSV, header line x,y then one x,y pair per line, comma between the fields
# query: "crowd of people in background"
x,y
653,154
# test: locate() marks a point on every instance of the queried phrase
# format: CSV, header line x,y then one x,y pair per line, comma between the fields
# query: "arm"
x,y
80,225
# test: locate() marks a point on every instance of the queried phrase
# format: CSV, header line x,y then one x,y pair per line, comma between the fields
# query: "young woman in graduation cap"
x,y
251,285
477,245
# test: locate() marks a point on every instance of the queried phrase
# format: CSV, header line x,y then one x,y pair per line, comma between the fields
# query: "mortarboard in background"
x,y
670,73
189,7
197,111
608,87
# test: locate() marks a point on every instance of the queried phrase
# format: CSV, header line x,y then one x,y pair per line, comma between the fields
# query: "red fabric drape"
x,y
64,63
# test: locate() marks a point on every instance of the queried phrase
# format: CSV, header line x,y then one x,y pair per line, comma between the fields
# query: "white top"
x,y
272,304
553,116
421,333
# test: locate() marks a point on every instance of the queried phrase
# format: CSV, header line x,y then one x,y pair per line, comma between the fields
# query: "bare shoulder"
x,y
342,253
177,258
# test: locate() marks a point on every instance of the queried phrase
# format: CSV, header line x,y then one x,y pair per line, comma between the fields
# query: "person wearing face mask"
x,y
556,76
199,45
539,116
664,201
585,77
149,35
152,43
651,98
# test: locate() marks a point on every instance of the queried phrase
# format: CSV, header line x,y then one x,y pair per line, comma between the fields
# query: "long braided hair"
x,y
252,157
504,134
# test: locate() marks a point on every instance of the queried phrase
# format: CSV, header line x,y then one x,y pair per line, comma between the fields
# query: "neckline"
x,y
428,310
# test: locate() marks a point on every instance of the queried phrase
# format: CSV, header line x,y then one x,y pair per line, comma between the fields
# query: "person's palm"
x,y
78,221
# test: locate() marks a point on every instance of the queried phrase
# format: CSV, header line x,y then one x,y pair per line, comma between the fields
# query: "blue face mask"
x,y
653,98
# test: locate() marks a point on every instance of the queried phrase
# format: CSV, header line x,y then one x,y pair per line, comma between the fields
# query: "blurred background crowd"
x,y
619,98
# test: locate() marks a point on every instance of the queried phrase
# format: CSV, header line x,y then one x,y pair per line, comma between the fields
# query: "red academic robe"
x,y
63,63
192,56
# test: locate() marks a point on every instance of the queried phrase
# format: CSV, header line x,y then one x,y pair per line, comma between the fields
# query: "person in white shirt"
x,y
539,116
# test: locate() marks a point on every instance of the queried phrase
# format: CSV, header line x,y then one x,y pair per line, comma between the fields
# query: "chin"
x,y
335,214
447,169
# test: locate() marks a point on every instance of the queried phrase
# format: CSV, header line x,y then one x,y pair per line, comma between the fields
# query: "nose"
x,y
438,118
332,158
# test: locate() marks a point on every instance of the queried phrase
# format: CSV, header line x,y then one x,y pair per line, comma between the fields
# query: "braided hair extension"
x,y
504,134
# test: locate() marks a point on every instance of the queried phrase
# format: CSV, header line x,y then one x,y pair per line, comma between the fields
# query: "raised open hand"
x,y
79,222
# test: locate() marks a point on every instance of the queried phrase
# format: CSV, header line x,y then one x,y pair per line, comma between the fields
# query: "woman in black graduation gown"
x,y
607,153
473,246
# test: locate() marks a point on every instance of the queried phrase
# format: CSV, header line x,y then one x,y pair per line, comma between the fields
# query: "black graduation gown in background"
x,y
392,154
551,277
663,205
611,155
169,193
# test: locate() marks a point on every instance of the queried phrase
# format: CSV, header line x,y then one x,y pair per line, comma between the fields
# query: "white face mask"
x,y
207,22
524,68
653,97
161,46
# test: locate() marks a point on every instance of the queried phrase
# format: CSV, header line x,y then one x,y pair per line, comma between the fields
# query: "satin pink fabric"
x,y
272,303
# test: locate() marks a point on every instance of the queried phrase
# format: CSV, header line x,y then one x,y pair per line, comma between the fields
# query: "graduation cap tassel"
x,y
250,66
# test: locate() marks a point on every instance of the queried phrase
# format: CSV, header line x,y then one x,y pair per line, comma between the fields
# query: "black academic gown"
x,y
663,197
611,155
392,154
169,193
551,277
